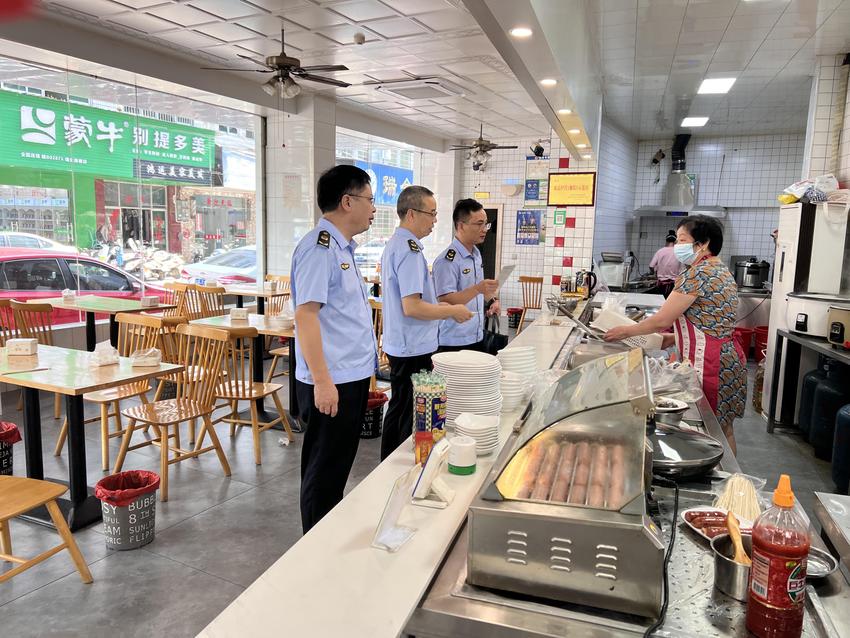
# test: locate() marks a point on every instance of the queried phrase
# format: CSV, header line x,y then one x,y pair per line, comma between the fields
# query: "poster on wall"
x,y
536,181
537,168
528,227
387,181
572,189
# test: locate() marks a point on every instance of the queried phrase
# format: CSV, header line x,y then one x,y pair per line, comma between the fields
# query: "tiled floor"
x,y
216,535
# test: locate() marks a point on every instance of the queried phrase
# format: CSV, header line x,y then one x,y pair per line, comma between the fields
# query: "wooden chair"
x,y
35,321
237,385
276,304
135,332
212,300
19,495
174,294
188,300
532,292
201,351
7,322
378,326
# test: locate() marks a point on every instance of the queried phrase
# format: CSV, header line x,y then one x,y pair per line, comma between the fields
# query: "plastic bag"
x,y
839,196
678,378
735,494
104,354
813,196
149,358
798,189
125,487
758,385
826,183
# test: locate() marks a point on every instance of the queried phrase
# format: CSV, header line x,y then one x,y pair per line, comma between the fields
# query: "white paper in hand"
x,y
504,273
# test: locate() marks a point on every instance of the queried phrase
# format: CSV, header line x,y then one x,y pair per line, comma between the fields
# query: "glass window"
x,y
33,274
95,276
110,194
234,259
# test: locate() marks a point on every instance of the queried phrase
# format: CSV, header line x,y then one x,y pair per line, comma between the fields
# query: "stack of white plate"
x,y
522,360
484,429
472,382
515,389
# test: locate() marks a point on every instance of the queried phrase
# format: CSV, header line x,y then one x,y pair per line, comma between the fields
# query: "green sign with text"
x,y
51,134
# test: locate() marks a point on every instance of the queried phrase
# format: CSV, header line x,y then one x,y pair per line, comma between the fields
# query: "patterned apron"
x,y
703,351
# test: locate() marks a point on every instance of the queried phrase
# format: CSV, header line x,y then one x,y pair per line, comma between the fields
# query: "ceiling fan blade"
x,y
461,148
245,57
495,147
222,68
322,80
324,67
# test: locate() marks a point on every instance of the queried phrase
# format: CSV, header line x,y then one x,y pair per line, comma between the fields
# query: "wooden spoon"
x,y
735,534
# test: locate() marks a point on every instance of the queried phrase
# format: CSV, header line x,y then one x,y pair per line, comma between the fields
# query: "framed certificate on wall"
x,y
572,189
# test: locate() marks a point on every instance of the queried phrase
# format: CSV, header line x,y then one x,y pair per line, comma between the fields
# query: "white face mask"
x,y
685,253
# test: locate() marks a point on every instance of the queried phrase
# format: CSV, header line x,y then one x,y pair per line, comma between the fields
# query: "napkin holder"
x,y
21,347
69,295
149,358
239,314
270,286
104,354
149,301
431,490
282,322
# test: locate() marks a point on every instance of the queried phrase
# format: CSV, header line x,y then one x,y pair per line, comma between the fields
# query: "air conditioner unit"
x,y
420,88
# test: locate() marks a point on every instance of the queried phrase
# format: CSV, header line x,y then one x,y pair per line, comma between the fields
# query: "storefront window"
x,y
128,187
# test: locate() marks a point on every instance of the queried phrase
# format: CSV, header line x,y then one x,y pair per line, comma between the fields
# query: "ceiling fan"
x,y
480,145
285,69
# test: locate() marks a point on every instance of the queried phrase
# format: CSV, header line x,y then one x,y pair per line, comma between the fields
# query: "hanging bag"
x,y
493,339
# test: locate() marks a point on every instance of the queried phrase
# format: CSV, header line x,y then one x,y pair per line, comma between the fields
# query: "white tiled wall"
x,y
566,249
615,191
756,169
829,93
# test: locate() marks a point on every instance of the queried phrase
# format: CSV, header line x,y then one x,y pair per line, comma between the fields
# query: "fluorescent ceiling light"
x,y
694,121
564,111
586,156
716,85
574,131
521,32
581,145
548,82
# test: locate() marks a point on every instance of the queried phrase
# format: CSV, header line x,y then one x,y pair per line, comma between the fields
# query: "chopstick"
x,y
22,371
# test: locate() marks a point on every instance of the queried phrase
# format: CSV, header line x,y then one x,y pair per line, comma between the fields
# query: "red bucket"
x,y
761,341
744,337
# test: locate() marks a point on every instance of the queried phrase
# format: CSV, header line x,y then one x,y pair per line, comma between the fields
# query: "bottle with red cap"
x,y
777,592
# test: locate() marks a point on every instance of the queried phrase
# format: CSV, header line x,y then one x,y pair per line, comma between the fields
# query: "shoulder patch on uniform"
x,y
466,271
450,255
345,265
324,239
413,245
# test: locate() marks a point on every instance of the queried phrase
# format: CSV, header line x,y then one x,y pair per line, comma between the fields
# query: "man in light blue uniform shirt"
x,y
459,279
335,349
411,311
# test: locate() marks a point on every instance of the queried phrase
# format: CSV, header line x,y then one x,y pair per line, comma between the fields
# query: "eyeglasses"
x,y
371,199
426,212
480,225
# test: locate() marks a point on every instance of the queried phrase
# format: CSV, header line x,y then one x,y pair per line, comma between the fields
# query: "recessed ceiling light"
x,y
716,85
574,131
521,32
564,111
581,145
586,156
548,82
690,122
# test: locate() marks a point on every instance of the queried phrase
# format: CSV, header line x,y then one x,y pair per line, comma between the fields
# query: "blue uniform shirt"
x,y
404,272
324,271
457,269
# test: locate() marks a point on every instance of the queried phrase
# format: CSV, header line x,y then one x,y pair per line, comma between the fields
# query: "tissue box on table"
x,y
239,314
149,301
21,347
149,358
104,354
69,295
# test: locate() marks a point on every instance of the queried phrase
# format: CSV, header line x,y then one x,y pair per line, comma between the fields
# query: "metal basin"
x,y
730,577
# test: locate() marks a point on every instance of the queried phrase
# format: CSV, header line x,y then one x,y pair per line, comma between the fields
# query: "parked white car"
x,y
236,266
14,239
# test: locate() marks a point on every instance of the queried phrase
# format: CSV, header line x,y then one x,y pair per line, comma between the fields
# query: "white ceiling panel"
x,y
313,17
447,20
395,27
141,22
224,9
181,14
361,10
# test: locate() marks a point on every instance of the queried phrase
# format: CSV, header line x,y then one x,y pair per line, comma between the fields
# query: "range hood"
x,y
678,194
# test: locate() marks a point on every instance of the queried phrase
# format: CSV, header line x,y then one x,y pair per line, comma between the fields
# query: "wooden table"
x,y
92,304
261,294
265,328
69,372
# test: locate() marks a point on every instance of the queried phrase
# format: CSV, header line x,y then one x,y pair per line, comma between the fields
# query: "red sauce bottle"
x,y
777,592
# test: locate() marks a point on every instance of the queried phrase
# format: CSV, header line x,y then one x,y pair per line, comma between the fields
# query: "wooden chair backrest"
x,y
7,322
212,300
34,321
137,332
201,352
169,341
532,291
174,294
276,304
283,282
238,363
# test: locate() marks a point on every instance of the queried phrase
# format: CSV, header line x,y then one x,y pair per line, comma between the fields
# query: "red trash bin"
x,y
373,420
761,333
9,435
744,336
128,501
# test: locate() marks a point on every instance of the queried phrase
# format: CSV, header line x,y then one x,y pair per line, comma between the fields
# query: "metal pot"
x,y
682,454
751,274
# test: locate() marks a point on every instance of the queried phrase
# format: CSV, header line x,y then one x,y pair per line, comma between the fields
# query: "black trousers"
x,y
477,347
329,447
398,421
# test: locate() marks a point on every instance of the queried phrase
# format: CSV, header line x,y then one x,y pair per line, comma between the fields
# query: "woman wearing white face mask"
x,y
702,310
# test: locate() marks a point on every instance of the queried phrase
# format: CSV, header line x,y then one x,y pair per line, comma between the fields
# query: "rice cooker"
x,y
839,326
806,312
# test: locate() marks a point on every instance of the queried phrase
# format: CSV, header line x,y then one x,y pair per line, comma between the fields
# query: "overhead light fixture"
x,y
548,82
564,111
586,156
521,32
581,145
574,131
716,85
690,122
270,87
288,87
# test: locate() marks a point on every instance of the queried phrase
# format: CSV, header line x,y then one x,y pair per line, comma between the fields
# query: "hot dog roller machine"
x,y
562,514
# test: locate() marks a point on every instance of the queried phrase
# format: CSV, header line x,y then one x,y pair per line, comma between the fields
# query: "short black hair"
x,y
463,209
704,229
338,181
412,197
671,236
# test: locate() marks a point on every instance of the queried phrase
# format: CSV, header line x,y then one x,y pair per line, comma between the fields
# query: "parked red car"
x,y
27,274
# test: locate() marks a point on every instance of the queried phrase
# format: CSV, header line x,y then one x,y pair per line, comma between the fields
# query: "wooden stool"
x,y
19,495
